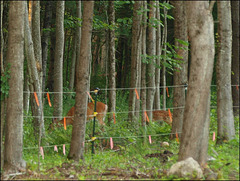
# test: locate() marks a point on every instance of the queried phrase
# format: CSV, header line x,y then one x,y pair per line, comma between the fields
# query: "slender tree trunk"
x,y
226,130
73,65
136,32
158,54
14,128
26,94
79,29
143,74
180,75
151,51
58,60
194,141
34,80
36,37
78,132
164,41
112,77
235,56
45,40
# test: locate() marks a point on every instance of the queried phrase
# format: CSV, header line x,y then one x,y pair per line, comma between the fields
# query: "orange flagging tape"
x,y
167,91
114,118
36,98
170,115
137,93
111,143
213,136
49,101
177,138
146,116
90,96
64,123
237,87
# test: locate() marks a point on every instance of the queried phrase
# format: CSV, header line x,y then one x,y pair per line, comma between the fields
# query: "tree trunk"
x,y
194,141
45,40
112,77
164,41
58,60
73,65
151,51
135,58
79,29
143,73
180,75
14,128
34,81
36,37
78,132
226,130
158,54
235,56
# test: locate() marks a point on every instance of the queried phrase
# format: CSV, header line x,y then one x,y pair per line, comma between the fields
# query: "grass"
x,y
129,159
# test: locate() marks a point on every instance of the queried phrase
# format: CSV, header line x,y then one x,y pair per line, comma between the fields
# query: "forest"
x,y
100,90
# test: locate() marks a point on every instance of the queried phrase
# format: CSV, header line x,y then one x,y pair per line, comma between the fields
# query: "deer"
x,y
161,115
101,110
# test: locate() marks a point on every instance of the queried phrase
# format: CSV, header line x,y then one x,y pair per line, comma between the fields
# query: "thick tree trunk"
x,y
151,51
136,32
58,60
14,129
158,54
226,130
235,56
78,132
143,74
180,75
45,40
112,77
194,141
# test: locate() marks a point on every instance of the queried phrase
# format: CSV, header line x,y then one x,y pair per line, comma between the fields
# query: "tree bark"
x,y
180,75
58,60
135,58
45,40
226,130
151,51
164,41
143,74
194,141
33,75
14,129
235,56
112,77
158,54
78,132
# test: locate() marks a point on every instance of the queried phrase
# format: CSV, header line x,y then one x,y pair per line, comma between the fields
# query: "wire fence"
x,y
121,112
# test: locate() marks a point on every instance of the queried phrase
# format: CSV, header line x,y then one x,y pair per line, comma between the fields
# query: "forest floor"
x,y
119,165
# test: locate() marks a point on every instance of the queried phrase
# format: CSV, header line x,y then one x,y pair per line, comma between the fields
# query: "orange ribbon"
x,y
64,123
167,91
137,93
170,115
49,101
36,98
146,116
114,118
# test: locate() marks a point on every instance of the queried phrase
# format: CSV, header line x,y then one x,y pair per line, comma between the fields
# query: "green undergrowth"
x,y
129,157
